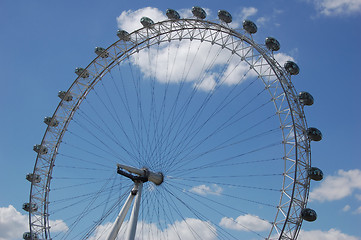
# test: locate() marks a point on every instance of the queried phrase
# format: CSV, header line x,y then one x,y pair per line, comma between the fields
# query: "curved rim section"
x,y
295,189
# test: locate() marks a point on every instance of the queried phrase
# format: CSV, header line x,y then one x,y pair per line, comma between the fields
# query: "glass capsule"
x,y
292,68
123,35
225,16
305,98
249,26
146,22
198,12
308,214
272,44
172,14
314,134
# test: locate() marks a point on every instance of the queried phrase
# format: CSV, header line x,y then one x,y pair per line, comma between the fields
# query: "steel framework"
x,y
276,79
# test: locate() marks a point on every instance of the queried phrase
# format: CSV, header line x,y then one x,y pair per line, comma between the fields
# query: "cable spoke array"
x,y
204,105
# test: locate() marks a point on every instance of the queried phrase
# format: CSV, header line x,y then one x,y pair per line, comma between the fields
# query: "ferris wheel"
x,y
182,129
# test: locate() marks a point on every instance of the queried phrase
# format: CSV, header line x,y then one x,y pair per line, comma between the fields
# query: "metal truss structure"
x,y
276,80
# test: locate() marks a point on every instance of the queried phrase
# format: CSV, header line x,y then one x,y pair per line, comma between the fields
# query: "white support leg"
x,y
121,216
135,212
144,175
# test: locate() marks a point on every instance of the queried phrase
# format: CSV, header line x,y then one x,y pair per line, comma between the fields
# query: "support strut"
x,y
142,175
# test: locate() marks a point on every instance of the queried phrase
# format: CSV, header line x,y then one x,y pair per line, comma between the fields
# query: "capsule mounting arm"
x,y
144,174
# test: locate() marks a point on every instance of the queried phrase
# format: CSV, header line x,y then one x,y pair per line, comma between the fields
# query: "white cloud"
x,y
182,61
338,7
13,224
204,230
185,13
130,20
246,222
337,187
204,190
179,61
189,229
346,208
102,231
235,71
262,20
245,13
332,234
187,61
208,84
248,12
58,226
358,210
358,197
281,58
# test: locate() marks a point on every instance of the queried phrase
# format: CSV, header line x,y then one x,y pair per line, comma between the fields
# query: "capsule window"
x,y
123,35
225,16
81,72
314,134
172,14
308,214
146,22
199,12
292,68
65,96
272,44
315,173
305,98
249,26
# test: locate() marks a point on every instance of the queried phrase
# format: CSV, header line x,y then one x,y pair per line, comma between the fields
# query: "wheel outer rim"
x,y
286,228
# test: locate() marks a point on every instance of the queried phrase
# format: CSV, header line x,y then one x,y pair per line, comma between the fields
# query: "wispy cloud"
x,y
281,58
248,12
189,228
204,190
130,20
338,7
346,208
343,184
332,234
246,223
358,210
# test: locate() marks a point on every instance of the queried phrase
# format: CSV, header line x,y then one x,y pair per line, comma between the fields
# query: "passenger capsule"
x,y
308,214
40,149
101,52
51,122
65,96
30,207
123,35
198,12
172,14
315,173
305,98
33,178
225,16
292,68
81,72
249,26
314,134
30,236
146,22
272,44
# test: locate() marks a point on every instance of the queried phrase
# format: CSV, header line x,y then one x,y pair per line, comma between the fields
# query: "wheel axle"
x,y
144,174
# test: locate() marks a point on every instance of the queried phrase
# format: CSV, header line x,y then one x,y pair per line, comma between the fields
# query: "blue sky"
x,y
43,41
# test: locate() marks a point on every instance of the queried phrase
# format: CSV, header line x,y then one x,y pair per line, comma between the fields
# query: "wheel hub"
x,y
142,175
